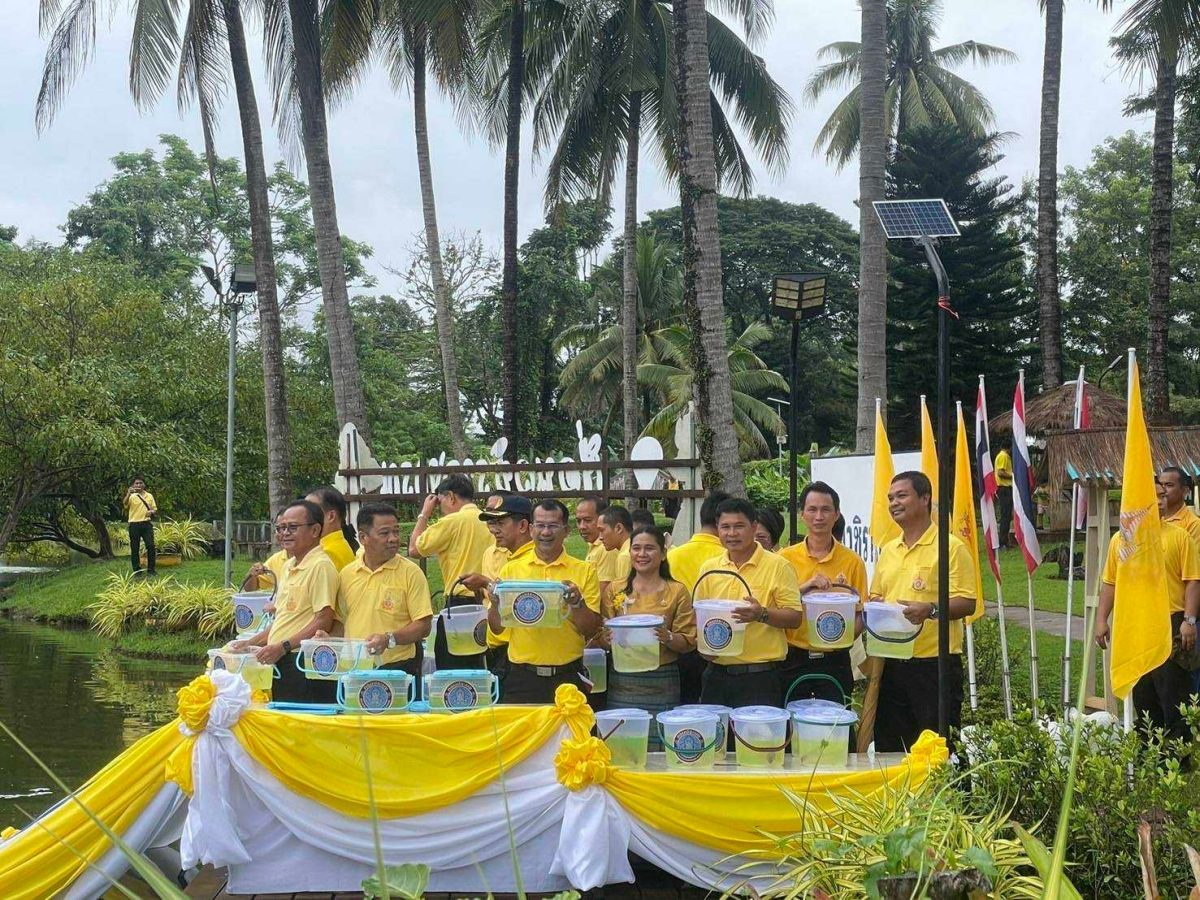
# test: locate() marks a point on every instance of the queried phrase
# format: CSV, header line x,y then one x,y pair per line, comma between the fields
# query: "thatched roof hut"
x,y
1097,455
1054,410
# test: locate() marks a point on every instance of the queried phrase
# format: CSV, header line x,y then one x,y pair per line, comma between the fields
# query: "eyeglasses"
x,y
548,526
292,529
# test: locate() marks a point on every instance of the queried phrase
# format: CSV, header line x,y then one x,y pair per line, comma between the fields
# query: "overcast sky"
x,y
372,146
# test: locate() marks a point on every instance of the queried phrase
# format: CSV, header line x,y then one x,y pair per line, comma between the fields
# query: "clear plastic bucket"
x,y
596,662
459,690
760,733
821,735
829,619
722,714
466,629
379,691
717,633
329,658
254,673
531,604
689,738
626,732
635,645
888,633
248,616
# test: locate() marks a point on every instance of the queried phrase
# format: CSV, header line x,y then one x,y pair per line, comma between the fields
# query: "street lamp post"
x,y
797,298
243,282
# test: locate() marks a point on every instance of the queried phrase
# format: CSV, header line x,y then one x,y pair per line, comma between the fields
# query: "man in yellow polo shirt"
x,y
907,573
616,527
822,563
541,659
383,597
1174,495
140,509
587,520
1004,496
752,677
1159,693
305,604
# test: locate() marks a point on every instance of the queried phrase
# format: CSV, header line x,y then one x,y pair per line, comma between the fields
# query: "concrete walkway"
x,y
1047,622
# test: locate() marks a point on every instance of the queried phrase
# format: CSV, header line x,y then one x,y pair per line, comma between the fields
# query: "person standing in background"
x,y
1004,497
140,509
768,530
337,535
587,520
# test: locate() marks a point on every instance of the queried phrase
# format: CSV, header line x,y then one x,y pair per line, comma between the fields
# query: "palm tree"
x,y
872,244
213,37
1049,307
921,87
612,79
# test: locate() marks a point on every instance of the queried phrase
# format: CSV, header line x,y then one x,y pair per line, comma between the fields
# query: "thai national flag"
x,y
1083,419
1024,513
987,483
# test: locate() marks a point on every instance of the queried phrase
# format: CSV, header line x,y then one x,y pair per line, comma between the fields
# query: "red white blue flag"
x,y
1083,419
1024,512
987,483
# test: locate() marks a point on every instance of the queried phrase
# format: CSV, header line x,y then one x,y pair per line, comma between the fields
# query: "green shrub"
x,y
128,602
766,487
186,537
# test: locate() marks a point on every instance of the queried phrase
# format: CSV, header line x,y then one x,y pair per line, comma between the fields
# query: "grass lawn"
x,y
1049,593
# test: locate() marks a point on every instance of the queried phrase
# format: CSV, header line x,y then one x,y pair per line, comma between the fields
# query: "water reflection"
x,y
77,704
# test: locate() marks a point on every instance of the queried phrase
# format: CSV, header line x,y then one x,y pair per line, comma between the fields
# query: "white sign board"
x,y
853,477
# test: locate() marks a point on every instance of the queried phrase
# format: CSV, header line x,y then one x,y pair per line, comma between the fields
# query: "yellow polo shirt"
x,y
385,599
1188,521
494,560
135,509
841,565
306,588
1181,558
686,559
458,541
910,573
604,560
550,646
772,583
673,603
338,548
1003,469
622,565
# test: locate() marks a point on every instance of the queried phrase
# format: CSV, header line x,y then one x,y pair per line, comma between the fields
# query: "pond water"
x,y
77,704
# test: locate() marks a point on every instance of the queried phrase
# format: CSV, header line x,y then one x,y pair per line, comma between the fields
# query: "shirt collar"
x,y
308,558
560,561
755,558
828,556
703,537
928,537
521,552
361,563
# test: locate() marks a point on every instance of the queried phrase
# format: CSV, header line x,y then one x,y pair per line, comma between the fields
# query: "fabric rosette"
x,y
581,763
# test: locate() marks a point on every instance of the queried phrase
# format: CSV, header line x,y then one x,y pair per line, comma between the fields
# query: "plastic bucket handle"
x,y
451,597
662,736
749,593
787,730
817,676
890,640
358,652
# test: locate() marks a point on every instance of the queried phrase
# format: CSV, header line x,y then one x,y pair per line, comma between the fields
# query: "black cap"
x,y
499,506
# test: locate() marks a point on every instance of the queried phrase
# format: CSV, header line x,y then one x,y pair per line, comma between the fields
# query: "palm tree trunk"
x,y
872,266
1049,309
279,432
1161,209
433,247
508,278
343,354
629,284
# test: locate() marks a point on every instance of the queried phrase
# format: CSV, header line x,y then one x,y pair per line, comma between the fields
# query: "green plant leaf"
x,y
408,881
1039,855
978,858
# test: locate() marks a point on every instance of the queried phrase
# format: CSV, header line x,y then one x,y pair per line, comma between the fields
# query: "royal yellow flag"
x,y
962,521
929,456
883,527
1141,626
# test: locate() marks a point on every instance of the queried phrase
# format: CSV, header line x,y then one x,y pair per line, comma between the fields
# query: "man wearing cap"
x,y
541,659
507,517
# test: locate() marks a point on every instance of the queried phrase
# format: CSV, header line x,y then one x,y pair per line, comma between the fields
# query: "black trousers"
x,y
691,677
800,662
140,532
1159,693
412,667
1004,513
749,689
293,686
522,683
908,702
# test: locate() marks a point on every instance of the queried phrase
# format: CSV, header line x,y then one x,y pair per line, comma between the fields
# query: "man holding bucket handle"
x,y
752,677
383,597
907,573
685,562
507,517
305,604
540,659
821,563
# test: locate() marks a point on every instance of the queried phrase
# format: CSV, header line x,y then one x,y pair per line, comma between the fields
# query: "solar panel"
x,y
915,218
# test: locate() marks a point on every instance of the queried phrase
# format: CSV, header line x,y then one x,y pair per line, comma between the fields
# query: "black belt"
x,y
750,669
550,671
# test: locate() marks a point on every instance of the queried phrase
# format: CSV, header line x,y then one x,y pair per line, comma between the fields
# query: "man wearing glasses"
x,y
540,659
304,604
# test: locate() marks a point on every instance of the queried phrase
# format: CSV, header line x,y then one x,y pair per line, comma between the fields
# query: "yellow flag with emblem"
x,y
962,521
883,527
1141,626
929,455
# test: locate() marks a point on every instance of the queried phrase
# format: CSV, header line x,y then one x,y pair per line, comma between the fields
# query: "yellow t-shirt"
x,y
1188,521
686,559
910,573
550,646
622,566
604,560
841,565
1004,472
673,603
772,582
275,563
458,541
386,599
494,560
1181,559
306,588
138,511
338,548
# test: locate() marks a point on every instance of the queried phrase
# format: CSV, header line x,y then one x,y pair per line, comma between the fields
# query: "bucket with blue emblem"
x,y
689,737
376,691
829,618
249,616
531,604
460,690
718,633
329,658
244,663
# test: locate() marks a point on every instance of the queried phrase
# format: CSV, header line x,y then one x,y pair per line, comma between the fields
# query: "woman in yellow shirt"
x,y
650,589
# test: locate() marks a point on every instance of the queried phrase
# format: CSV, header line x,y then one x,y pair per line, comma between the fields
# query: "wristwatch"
x,y
1189,620
764,616
287,647
933,611
391,639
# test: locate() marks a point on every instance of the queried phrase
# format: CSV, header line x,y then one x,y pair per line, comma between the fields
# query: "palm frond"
x,y
842,130
348,35
755,16
154,47
203,62
980,54
68,52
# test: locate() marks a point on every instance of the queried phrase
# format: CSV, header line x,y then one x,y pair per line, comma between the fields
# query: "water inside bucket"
x,y
635,645
380,691
829,619
329,658
626,732
596,661
761,735
689,738
466,629
531,604
821,736
722,714
255,674
459,690
717,633
888,633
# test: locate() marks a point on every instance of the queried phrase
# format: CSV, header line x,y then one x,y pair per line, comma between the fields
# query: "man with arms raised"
x,y
752,677
540,659
907,573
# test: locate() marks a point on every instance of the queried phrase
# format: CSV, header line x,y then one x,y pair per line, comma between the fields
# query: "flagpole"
x,y
1080,399
987,509
971,683
1006,675
1033,651
1127,710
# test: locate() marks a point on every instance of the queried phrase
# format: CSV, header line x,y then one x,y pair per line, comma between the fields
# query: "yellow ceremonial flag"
x,y
929,456
1141,627
963,515
883,527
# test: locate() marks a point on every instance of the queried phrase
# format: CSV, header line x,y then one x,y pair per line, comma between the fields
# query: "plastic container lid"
x,y
812,702
687,717
622,714
377,675
458,674
831,598
644,620
718,604
893,612
760,714
529,585
826,715
705,707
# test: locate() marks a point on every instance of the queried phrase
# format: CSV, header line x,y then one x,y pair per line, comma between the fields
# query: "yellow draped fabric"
x,y
45,860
